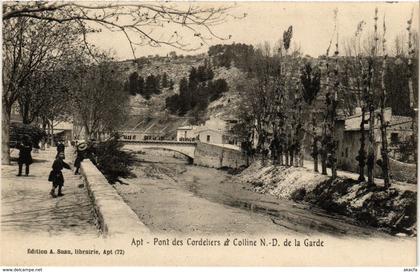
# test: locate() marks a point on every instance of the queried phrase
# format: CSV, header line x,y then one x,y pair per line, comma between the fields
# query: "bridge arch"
x,y
184,148
168,149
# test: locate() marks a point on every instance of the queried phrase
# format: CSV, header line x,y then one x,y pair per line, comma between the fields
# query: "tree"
x,y
412,52
114,16
133,83
30,49
98,98
311,82
30,39
384,124
165,82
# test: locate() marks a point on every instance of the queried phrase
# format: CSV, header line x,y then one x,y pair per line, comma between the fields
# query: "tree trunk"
x,y
52,133
324,157
5,135
371,155
87,132
384,149
362,153
297,157
291,157
314,143
281,158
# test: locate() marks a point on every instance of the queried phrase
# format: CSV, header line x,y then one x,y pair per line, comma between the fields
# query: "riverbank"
x,y
392,210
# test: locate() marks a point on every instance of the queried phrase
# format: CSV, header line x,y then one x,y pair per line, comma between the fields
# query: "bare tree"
x,y
95,90
137,21
411,57
27,47
311,82
31,31
384,124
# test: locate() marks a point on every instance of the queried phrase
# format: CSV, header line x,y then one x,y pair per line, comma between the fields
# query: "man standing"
x,y
25,157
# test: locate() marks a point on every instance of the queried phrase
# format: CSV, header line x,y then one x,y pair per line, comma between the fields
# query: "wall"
x,y
110,208
216,137
216,156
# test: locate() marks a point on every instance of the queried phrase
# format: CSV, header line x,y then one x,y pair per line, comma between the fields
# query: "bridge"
x,y
185,148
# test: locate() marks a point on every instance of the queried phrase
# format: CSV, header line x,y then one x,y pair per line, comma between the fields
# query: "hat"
x,y
82,146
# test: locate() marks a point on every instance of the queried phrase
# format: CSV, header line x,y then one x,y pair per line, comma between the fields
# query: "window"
x,y
208,138
394,138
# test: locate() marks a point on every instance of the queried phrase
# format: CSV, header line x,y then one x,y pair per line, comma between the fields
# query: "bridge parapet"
x,y
185,148
158,142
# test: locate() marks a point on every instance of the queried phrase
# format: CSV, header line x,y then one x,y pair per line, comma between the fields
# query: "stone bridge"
x,y
185,148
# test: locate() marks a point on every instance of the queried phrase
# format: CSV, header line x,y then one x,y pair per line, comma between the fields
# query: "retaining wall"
x,y
216,156
401,171
115,217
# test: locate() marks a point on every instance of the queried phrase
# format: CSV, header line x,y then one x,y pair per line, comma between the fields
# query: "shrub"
x,y
112,161
19,131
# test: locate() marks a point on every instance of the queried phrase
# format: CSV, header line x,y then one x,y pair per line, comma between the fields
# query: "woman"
x,y
25,157
56,176
81,154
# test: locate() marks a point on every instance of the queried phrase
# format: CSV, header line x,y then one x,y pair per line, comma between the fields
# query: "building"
x,y
214,131
186,133
348,136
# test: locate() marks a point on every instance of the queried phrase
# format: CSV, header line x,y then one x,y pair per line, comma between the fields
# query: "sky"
x,y
313,25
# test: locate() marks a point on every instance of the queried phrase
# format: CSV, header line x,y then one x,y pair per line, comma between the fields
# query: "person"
x,y
25,157
60,148
80,156
56,176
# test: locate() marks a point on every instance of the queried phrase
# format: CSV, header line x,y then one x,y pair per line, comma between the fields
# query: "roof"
x,y
185,128
352,123
209,129
398,120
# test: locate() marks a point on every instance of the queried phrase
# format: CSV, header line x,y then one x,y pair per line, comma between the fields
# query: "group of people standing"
x,y
82,150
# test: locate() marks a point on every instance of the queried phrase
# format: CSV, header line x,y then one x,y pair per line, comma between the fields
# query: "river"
x,y
171,196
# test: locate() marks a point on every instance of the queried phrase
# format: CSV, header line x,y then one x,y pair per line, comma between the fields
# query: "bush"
x,y
19,131
112,161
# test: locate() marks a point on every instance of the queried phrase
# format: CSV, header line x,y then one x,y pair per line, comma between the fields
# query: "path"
x,y
380,182
27,207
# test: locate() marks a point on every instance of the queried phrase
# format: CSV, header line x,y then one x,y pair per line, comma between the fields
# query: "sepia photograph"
x,y
209,134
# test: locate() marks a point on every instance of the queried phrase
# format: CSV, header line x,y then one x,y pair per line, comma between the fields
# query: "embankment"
x,y
218,156
115,217
393,209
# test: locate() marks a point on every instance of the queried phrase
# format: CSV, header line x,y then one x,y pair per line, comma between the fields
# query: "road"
x,y
27,209
170,196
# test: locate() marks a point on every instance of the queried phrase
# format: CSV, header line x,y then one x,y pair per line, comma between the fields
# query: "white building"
x,y
214,131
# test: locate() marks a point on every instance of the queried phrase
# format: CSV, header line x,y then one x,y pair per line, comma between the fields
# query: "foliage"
x,y
310,79
99,101
19,131
146,88
224,55
196,92
112,160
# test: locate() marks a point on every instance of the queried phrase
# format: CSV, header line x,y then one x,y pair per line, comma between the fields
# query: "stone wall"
x,y
216,156
114,216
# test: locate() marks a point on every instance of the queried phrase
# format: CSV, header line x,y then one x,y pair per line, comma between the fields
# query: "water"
x,y
161,172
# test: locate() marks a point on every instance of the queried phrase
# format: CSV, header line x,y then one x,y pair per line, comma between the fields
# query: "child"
x,y
60,148
56,176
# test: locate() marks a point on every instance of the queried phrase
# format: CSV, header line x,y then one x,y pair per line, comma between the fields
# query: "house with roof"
x,y
214,131
348,132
